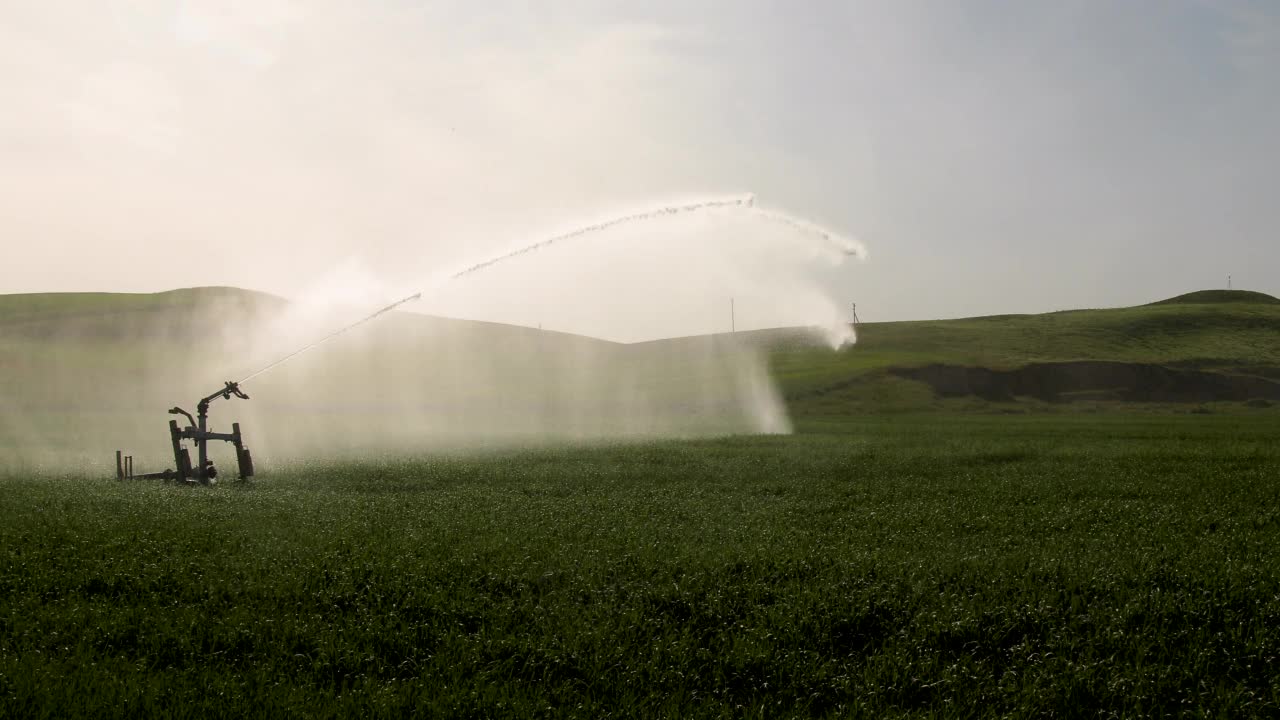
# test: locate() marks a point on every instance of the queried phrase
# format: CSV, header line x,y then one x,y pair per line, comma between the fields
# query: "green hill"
x,y
73,364
82,375
1235,333
54,311
1206,297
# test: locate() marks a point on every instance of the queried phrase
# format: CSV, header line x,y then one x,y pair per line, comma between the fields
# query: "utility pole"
x,y
733,320
854,308
1228,282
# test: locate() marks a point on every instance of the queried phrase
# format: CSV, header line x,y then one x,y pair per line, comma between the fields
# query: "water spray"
x,y
747,203
197,430
744,201
833,240
203,471
333,335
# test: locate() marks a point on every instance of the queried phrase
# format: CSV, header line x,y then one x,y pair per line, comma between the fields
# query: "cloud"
x,y
391,123
1001,156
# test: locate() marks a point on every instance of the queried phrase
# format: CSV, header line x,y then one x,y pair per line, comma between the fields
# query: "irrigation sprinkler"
x,y
203,472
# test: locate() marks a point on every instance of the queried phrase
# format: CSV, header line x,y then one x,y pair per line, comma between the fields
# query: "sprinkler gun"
x,y
197,430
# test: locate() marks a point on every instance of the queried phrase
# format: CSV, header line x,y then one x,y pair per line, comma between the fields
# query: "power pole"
x,y
854,308
1228,282
733,320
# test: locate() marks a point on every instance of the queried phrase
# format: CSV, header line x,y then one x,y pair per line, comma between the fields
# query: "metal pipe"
x,y
176,436
202,452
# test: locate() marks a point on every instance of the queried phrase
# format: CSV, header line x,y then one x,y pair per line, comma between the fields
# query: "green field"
x,y
900,555
1070,565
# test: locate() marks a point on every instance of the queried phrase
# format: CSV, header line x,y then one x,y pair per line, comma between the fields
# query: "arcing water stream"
x,y
334,334
409,384
746,203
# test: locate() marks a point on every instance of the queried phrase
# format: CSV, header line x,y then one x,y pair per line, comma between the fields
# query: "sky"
x,y
994,157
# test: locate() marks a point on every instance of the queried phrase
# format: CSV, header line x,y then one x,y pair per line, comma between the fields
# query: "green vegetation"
x,y
1225,331
875,564
103,337
915,565
30,306
1203,297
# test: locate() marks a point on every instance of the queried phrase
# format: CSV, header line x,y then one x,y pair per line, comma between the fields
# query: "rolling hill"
x,y
1193,341
82,375
90,351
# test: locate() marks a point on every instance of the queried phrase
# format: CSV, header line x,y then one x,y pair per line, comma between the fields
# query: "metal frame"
x,y
197,431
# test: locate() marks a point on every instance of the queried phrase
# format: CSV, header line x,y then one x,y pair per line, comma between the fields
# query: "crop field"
x,y
1119,565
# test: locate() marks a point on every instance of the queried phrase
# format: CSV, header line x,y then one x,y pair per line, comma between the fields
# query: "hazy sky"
x,y
994,156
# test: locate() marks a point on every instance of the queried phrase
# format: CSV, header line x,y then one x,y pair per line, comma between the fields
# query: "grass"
x,y
1221,335
103,339
940,565
35,306
1203,331
1202,297
877,564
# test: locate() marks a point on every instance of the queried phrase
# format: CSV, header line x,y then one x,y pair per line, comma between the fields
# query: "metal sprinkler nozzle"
x,y
233,388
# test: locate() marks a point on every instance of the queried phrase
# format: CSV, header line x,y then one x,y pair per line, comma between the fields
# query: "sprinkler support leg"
x,y
176,435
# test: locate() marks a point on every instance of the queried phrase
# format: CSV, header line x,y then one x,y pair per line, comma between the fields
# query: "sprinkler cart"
x,y
203,472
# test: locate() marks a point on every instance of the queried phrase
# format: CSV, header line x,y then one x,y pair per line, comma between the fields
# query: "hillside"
x,y
194,312
1208,297
82,375
1220,332
71,362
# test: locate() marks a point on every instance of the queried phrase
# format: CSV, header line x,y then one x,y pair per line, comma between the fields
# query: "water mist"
x,y
328,378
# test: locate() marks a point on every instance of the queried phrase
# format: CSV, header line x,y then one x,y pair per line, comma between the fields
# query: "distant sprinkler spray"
x,y
334,334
